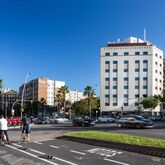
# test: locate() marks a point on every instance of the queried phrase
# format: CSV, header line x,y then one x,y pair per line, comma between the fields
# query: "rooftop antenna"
x,y
144,34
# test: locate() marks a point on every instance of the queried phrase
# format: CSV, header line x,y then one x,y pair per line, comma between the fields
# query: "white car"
x,y
59,120
106,119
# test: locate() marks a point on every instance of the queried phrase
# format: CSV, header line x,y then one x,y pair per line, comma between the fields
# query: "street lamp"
x,y
23,92
96,115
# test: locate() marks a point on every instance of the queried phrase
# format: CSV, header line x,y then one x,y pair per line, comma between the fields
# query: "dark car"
x,y
83,121
134,121
155,118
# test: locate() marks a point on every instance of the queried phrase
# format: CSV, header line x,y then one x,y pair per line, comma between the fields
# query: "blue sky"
x,y
61,39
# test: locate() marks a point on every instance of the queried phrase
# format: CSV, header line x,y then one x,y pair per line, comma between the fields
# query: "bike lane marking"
x,y
77,152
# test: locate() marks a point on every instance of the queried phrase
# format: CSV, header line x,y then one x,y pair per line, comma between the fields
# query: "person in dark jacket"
x,y
26,129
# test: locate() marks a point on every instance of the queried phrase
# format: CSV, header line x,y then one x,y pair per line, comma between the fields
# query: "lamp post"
x,y
23,92
96,115
17,102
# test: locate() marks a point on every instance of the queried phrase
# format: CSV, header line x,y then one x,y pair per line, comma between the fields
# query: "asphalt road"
x,y
43,141
54,130
70,153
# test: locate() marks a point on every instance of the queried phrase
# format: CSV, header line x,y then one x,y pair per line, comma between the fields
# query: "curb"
x,y
152,151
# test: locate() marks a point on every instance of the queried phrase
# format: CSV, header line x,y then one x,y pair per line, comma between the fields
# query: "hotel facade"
x,y
130,72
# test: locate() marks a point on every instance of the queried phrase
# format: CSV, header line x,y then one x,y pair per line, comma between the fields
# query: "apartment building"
x,y
130,72
7,99
74,96
41,88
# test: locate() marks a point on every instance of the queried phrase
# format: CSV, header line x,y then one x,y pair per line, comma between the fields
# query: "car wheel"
x,y
119,125
138,126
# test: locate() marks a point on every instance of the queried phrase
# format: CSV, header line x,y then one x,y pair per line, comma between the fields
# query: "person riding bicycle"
x,y
4,129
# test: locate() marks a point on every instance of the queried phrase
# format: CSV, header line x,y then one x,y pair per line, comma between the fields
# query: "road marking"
x,y
37,142
77,152
35,156
54,146
42,153
44,140
104,152
114,161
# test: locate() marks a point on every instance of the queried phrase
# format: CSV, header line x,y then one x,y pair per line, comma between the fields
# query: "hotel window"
x,y
137,62
137,87
125,78
145,70
114,62
160,57
107,62
106,96
145,53
136,78
114,87
115,79
125,87
160,89
114,70
115,53
160,73
125,62
107,54
145,78
156,63
125,104
156,71
145,96
145,61
107,79
160,65
125,95
126,53
106,87
114,95
144,86
137,53
125,70
136,104
106,70
106,104
156,79
137,96
137,70
114,104
156,55
156,88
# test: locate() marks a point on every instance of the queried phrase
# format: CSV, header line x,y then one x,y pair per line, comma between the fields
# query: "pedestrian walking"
x,y
4,129
26,129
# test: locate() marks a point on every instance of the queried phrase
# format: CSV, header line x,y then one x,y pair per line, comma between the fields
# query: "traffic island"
x,y
154,147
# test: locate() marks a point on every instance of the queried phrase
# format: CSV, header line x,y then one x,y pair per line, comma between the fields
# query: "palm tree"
x,y
58,101
89,92
1,85
63,91
43,103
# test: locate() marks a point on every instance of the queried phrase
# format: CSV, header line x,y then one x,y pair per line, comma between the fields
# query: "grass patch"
x,y
122,138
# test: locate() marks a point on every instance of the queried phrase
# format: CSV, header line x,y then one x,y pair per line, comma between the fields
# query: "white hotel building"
x,y
130,72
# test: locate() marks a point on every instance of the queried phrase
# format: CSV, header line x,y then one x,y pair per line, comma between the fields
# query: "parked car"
x,y
42,120
59,120
83,121
134,121
106,119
